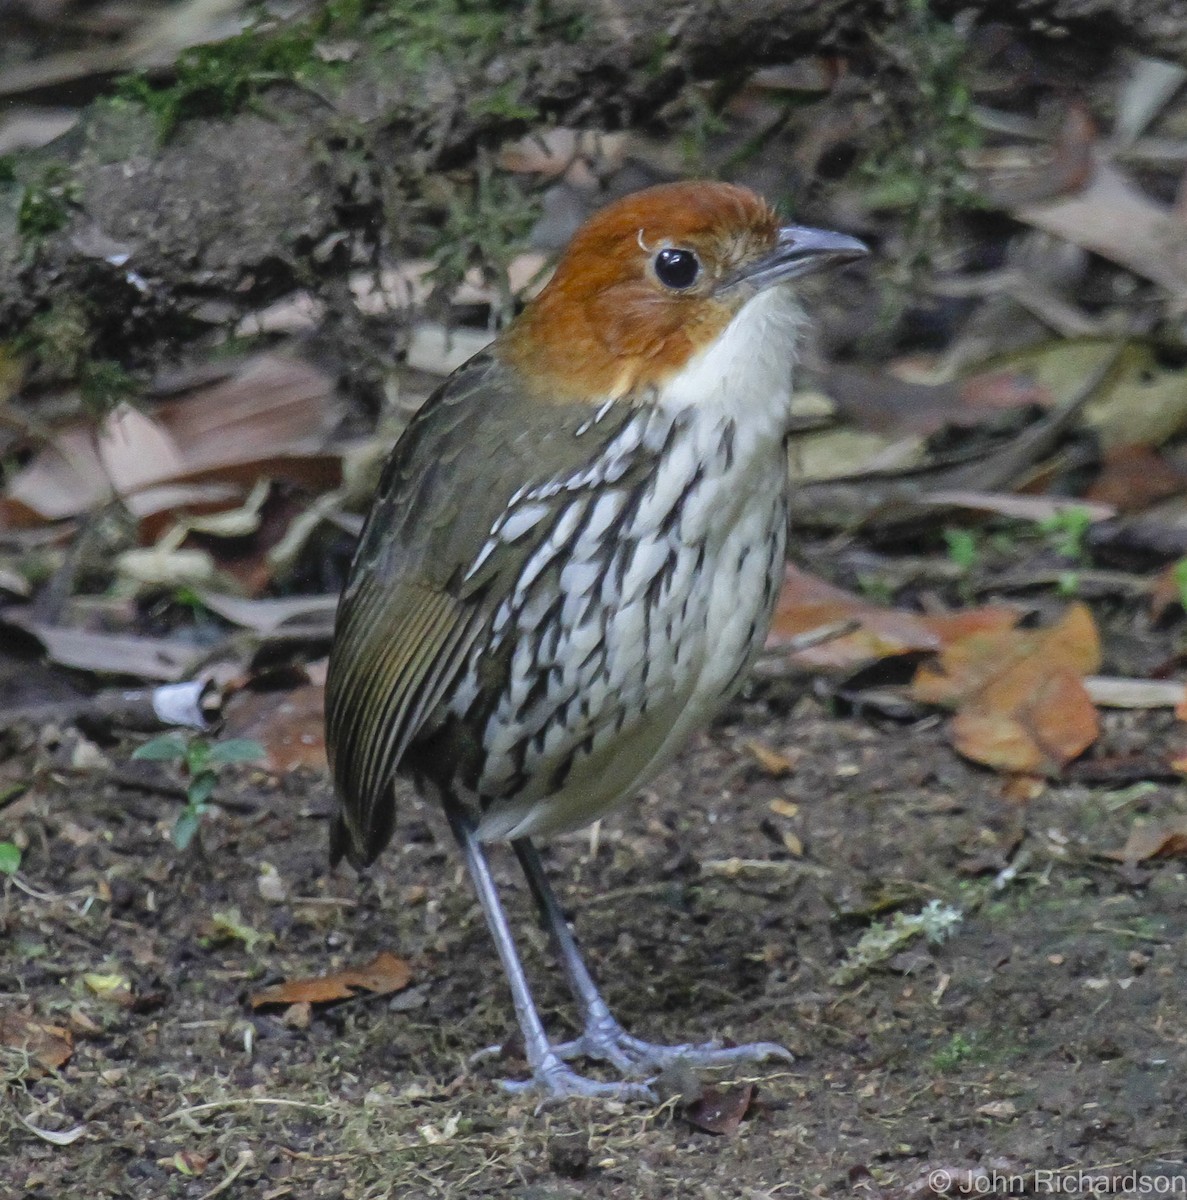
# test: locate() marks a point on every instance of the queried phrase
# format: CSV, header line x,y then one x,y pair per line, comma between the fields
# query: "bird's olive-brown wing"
x,y
421,592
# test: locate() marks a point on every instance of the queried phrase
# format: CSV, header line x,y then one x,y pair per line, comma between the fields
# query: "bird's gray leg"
x,y
602,1036
550,1074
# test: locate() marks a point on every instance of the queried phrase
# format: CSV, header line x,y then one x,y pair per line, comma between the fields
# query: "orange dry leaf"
x,y
289,725
385,973
807,603
48,1045
1019,694
1153,839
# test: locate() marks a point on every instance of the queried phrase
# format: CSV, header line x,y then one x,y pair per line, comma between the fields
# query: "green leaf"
x,y
197,755
185,827
10,858
200,789
237,750
170,747
229,923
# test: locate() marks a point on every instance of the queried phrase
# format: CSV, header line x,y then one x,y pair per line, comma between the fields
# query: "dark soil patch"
x,y
1047,1034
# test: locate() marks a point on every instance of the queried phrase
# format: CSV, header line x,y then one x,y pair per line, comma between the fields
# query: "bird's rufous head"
x,y
652,279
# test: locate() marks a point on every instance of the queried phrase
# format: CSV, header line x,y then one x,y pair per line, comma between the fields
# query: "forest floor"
x,y
1044,1039
994,413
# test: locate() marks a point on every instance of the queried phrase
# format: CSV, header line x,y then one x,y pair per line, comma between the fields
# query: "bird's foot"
x,y
607,1041
553,1080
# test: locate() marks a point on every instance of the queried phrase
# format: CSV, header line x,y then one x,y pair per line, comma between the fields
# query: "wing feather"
x,y
414,607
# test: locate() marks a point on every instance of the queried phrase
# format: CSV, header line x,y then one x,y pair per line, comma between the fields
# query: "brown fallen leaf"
x,y
384,974
720,1110
48,1045
1132,478
807,603
1165,592
776,765
1153,839
1019,694
289,725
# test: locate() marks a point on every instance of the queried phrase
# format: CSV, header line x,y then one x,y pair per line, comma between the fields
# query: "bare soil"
x,y
1048,1034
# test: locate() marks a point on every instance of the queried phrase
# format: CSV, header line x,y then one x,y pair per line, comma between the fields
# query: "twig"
x,y
244,1102
245,1160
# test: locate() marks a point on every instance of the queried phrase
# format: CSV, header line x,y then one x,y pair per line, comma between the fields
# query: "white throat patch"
x,y
747,371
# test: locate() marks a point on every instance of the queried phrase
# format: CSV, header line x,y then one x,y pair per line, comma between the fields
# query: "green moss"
x,y
61,341
45,204
222,78
219,79
104,384
504,102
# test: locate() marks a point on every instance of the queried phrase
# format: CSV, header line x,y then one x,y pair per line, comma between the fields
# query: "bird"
x,y
570,563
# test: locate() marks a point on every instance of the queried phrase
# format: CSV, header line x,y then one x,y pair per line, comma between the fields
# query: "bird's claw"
x,y
556,1082
608,1042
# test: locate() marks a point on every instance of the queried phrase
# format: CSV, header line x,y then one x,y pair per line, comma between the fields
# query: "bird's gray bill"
x,y
799,251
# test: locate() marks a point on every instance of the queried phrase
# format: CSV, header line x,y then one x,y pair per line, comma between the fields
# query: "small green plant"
x,y
927,130
45,205
963,549
486,226
1179,575
10,858
1067,530
959,1049
200,761
874,587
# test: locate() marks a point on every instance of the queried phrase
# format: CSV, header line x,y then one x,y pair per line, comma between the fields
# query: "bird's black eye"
x,y
678,269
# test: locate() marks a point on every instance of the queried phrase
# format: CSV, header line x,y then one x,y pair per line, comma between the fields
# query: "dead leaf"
x,y
1153,839
136,450
110,653
289,725
1022,789
269,419
48,1045
1020,696
1018,175
771,761
55,1137
807,602
1114,218
720,1110
1134,477
270,615
384,974
62,480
